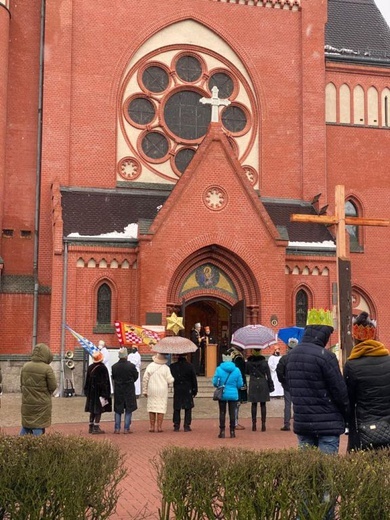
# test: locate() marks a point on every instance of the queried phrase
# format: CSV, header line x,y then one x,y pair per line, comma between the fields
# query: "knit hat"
x,y
122,353
363,327
227,357
292,342
97,357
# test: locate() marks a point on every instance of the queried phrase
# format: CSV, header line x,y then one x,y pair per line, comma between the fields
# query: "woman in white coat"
x,y
155,384
135,358
273,363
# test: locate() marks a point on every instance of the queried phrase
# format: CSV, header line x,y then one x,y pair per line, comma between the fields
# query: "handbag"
x,y
374,434
218,392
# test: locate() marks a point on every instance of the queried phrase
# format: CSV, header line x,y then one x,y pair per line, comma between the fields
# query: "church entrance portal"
x,y
222,318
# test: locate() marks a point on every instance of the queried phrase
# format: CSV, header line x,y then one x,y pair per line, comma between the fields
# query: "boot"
x,y
254,428
96,429
263,411
152,420
232,433
221,433
160,418
90,430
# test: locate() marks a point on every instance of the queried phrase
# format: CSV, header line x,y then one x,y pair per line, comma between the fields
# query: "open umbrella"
x,y
174,345
290,332
254,336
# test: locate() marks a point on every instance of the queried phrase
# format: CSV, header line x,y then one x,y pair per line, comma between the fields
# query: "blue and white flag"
x,y
84,342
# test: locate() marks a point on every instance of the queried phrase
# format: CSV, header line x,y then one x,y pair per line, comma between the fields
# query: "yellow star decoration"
x,y
174,323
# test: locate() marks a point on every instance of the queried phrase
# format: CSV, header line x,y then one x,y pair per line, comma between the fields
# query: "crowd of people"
x,y
322,402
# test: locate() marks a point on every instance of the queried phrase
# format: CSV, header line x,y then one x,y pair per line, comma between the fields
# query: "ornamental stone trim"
x,y
215,198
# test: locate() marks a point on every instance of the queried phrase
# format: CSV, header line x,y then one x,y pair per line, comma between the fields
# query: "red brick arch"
x,y
232,265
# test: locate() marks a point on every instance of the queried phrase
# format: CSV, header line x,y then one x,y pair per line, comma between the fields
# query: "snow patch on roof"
x,y
130,231
326,244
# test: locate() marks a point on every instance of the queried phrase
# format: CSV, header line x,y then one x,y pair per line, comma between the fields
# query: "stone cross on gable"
x,y
344,298
215,103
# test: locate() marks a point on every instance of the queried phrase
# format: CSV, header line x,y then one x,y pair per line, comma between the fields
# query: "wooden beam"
x,y
330,219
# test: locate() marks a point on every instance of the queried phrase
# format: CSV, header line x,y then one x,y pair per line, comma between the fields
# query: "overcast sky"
x,y
384,6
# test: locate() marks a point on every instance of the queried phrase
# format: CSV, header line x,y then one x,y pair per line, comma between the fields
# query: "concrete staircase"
x,y
205,388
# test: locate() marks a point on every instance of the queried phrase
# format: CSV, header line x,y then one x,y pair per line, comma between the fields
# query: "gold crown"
x,y
319,317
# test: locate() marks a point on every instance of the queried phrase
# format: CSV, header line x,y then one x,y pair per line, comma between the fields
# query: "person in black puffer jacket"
x,y
318,391
367,374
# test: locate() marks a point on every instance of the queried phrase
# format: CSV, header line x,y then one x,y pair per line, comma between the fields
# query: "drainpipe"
x,y
38,174
63,320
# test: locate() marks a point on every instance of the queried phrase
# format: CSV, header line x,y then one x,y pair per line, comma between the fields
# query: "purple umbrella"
x,y
254,336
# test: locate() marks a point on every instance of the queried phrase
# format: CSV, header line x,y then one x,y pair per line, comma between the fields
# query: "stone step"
x,y
205,387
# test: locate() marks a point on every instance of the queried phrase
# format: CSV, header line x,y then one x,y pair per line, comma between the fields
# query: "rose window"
x,y
163,120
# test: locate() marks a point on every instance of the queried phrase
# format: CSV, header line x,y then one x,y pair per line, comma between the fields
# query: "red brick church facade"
x,y
102,126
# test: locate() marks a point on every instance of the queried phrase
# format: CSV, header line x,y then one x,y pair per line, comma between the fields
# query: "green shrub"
x,y
272,485
58,477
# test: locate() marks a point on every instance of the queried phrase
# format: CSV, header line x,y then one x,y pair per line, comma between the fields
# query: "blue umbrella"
x,y
290,332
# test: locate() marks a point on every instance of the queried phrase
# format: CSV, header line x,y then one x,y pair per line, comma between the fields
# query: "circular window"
x,y
188,68
234,119
185,116
224,83
183,158
155,145
141,111
155,79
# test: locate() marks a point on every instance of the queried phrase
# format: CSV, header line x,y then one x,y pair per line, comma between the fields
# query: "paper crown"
x,y
363,327
319,317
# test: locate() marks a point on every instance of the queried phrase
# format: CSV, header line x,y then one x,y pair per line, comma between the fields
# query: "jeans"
x,y
287,408
118,417
238,404
326,443
32,431
232,414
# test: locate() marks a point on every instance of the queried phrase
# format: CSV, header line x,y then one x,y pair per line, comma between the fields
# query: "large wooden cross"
x,y
344,299
215,103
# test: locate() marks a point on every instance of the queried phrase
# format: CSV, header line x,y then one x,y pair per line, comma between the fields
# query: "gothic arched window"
x,y
353,231
301,308
103,316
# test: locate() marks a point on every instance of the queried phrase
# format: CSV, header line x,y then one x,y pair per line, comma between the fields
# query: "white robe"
x,y
136,360
273,363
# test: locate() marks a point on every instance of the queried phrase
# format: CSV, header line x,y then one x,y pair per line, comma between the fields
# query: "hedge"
x,y
58,477
273,485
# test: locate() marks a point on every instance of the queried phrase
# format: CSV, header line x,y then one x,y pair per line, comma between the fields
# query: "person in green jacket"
x,y
37,382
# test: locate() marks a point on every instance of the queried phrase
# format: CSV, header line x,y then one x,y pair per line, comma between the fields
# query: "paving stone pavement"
x,y
140,498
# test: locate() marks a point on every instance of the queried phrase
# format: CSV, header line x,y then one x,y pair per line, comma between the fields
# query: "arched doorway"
x,y
212,312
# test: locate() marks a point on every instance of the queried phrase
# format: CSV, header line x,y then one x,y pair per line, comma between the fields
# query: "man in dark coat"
x,y
198,355
124,375
318,391
98,392
281,375
185,389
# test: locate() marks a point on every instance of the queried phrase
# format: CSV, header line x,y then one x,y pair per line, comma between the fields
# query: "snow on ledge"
x,y
326,244
130,231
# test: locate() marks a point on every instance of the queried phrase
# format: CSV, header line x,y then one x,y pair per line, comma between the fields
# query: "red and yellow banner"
x,y
130,334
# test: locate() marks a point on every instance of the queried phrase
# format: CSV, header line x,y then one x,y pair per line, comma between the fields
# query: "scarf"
x,y
368,348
